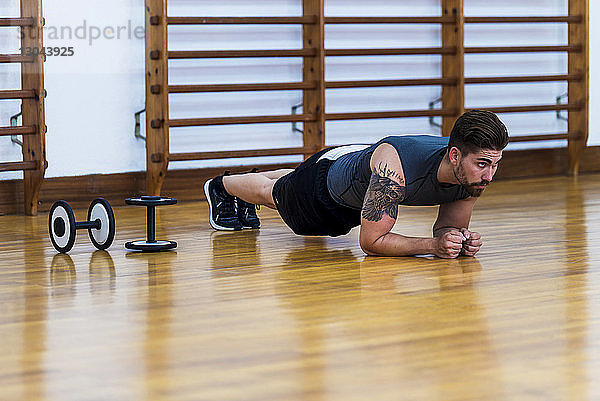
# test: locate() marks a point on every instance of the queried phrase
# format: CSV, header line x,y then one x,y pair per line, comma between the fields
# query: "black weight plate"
x,y
100,209
146,246
150,201
61,226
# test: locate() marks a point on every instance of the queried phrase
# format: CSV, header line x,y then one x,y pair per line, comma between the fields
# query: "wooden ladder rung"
x,y
17,94
389,82
545,137
390,20
16,22
522,49
241,87
240,20
7,131
240,153
15,58
198,122
18,166
389,114
532,78
530,109
389,52
520,20
193,54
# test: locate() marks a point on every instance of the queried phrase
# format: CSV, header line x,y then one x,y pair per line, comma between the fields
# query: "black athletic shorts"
x,y
304,202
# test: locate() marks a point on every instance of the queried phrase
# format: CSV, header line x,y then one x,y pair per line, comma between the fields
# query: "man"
x,y
342,187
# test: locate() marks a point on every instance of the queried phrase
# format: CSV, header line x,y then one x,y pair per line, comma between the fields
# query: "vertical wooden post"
x,y
314,70
579,90
32,78
453,65
157,95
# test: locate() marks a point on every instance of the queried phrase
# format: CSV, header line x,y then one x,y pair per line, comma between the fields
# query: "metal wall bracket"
x,y
138,125
294,123
559,99
14,122
432,107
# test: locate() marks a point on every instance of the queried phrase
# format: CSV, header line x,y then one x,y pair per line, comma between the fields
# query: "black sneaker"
x,y
221,205
246,213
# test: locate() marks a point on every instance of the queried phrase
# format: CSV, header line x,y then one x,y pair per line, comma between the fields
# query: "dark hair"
x,y
476,130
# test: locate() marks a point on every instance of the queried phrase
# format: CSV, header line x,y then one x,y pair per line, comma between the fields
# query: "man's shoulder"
x,y
415,139
415,143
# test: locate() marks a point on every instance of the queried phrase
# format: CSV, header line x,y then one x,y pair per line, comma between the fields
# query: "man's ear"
x,y
455,156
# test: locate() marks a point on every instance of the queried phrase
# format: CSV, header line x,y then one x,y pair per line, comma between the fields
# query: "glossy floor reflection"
x,y
267,315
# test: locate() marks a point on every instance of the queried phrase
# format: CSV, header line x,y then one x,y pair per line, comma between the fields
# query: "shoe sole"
x,y
210,206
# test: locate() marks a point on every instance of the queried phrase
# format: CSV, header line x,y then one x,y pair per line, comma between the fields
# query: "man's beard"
x,y
470,187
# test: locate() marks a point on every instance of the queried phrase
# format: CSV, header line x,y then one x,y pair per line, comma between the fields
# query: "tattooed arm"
x,y
386,191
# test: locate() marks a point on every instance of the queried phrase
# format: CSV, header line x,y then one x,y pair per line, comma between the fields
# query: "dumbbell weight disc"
x,y
151,201
61,226
146,246
103,237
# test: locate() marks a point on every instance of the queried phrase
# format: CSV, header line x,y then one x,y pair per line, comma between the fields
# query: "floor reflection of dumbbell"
x,y
100,225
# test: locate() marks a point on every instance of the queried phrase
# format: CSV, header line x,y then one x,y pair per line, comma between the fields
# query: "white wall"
x,y
93,95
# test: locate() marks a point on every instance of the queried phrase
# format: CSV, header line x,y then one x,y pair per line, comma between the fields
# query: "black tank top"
x,y
420,155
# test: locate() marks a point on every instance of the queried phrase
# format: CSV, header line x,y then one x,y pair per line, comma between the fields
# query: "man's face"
x,y
475,171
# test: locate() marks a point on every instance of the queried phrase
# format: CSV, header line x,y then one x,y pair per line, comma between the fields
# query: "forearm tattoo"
x,y
383,194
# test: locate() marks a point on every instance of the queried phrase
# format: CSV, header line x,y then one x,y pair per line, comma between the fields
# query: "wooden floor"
x,y
267,315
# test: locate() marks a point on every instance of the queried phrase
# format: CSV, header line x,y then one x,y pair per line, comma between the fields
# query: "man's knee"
x,y
267,194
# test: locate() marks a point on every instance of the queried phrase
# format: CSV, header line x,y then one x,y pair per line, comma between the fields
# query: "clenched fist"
x,y
449,245
472,242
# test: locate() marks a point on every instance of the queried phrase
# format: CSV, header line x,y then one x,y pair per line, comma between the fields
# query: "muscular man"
x,y
342,187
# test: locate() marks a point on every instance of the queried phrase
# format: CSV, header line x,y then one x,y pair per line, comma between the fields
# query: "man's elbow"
x,y
368,246
369,251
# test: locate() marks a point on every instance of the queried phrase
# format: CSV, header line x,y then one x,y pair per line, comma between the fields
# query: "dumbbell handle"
x,y
151,224
83,225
